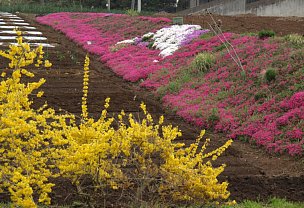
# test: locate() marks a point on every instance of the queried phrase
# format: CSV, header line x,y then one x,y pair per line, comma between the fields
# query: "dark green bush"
x,y
266,34
270,74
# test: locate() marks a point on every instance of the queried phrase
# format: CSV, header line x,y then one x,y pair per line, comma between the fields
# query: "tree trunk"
x,y
109,5
139,6
133,5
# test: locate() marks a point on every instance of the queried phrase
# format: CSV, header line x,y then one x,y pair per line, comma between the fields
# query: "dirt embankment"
x,y
248,23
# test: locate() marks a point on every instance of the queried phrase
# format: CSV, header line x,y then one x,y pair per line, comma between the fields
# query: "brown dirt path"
x,y
251,172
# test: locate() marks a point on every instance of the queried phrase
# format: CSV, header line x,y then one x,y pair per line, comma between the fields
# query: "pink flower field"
x,y
262,104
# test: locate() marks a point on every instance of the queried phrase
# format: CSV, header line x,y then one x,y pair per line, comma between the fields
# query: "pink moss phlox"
x,y
296,101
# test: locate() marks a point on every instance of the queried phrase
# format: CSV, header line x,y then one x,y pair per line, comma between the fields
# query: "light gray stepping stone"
x,y
15,17
47,45
13,27
23,32
16,23
14,20
24,37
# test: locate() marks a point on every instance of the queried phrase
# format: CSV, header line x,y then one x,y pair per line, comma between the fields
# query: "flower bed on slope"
x,y
246,104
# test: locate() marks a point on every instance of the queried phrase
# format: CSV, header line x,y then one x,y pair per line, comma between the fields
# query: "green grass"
x,y
271,203
49,8
8,205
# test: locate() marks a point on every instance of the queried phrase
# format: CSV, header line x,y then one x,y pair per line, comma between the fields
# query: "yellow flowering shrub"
x,y
105,154
27,137
117,154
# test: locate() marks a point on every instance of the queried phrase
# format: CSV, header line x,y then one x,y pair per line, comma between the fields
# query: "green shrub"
x,y
203,61
270,74
266,34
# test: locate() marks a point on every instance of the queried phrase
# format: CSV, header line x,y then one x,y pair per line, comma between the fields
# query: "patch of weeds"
x,y
74,57
222,95
266,34
260,95
220,47
150,46
161,92
199,114
279,63
193,86
175,109
299,86
203,61
285,93
163,72
250,34
117,47
184,75
296,40
214,116
177,84
206,36
195,101
147,38
275,202
252,204
159,74
60,56
243,138
298,55
243,75
270,74
132,12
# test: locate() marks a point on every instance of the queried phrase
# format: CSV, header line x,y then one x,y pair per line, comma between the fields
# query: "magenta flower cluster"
x,y
242,104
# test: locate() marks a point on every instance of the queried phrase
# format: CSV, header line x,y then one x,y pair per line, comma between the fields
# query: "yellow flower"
x,y
47,63
40,94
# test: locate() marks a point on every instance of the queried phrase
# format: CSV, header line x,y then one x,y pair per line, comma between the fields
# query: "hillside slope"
x,y
261,102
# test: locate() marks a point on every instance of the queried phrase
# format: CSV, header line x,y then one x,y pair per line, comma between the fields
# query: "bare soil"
x,y
252,173
248,23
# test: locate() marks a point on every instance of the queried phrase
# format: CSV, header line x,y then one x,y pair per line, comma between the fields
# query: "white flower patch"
x,y
168,39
